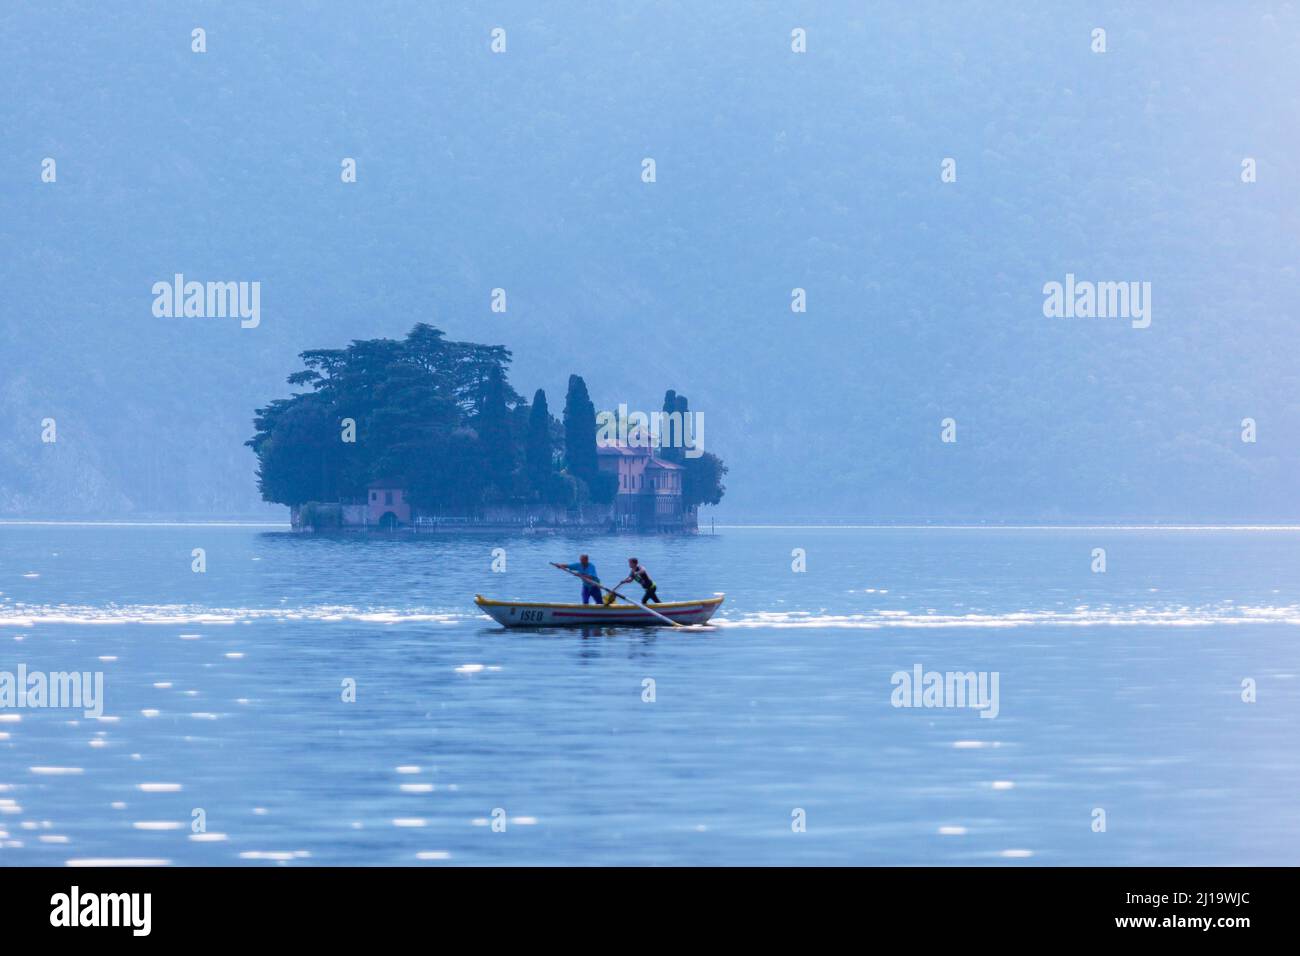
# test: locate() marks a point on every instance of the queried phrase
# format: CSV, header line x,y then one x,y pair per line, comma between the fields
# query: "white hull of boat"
x,y
526,614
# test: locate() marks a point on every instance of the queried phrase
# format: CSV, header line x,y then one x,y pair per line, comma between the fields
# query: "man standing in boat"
x,y
642,577
587,570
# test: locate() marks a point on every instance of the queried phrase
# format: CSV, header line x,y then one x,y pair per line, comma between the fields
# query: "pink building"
x,y
649,497
649,488
387,506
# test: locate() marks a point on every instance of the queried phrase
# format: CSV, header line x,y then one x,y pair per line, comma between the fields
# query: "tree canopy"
x,y
442,417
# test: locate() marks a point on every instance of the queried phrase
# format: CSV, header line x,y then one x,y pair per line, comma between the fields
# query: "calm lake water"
x,y
223,692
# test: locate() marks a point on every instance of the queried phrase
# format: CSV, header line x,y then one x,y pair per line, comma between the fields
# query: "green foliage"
x,y
454,479
539,452
702,481
495,436
702,484
580,431
602,487
300,457
434,412
321,516
670,453
441,417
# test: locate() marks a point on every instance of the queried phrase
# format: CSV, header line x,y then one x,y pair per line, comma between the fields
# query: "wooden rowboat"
x,y
526,614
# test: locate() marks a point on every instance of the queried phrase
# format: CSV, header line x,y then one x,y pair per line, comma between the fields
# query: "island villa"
x,y
649,498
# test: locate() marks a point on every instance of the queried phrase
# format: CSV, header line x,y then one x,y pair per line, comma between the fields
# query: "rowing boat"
x,y
527,614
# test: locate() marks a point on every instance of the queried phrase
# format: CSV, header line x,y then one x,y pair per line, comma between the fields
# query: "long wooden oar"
x,y
590,580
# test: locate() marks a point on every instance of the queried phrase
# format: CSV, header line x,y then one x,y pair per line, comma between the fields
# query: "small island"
x,y
425,434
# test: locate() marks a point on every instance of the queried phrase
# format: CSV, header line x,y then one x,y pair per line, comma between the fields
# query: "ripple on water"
x,y
522,821
119,861
28,615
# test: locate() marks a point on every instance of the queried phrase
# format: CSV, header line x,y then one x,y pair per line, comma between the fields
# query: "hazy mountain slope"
x,y
775,170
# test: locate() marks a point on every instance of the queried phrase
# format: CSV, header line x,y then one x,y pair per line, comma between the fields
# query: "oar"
x,y
576,574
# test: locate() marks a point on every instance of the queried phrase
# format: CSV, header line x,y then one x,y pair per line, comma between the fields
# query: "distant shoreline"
x,y
210,523
704,531
1014,527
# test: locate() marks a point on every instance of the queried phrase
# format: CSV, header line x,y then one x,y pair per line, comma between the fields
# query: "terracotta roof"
x,y
628,451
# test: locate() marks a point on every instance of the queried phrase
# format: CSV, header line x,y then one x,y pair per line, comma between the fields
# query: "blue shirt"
x,y
589,570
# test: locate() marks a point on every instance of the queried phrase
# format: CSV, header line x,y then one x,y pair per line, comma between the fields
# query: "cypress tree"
x,y
668,434
538,462
493,428
580,431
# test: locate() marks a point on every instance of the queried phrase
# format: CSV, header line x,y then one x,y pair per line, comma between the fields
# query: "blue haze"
x,y
775,171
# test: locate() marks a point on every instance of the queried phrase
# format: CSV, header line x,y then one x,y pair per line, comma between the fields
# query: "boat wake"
x,y
1083,616
1224,614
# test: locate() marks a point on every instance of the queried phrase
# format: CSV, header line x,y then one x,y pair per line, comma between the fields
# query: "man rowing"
x,y
590,588
642,577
